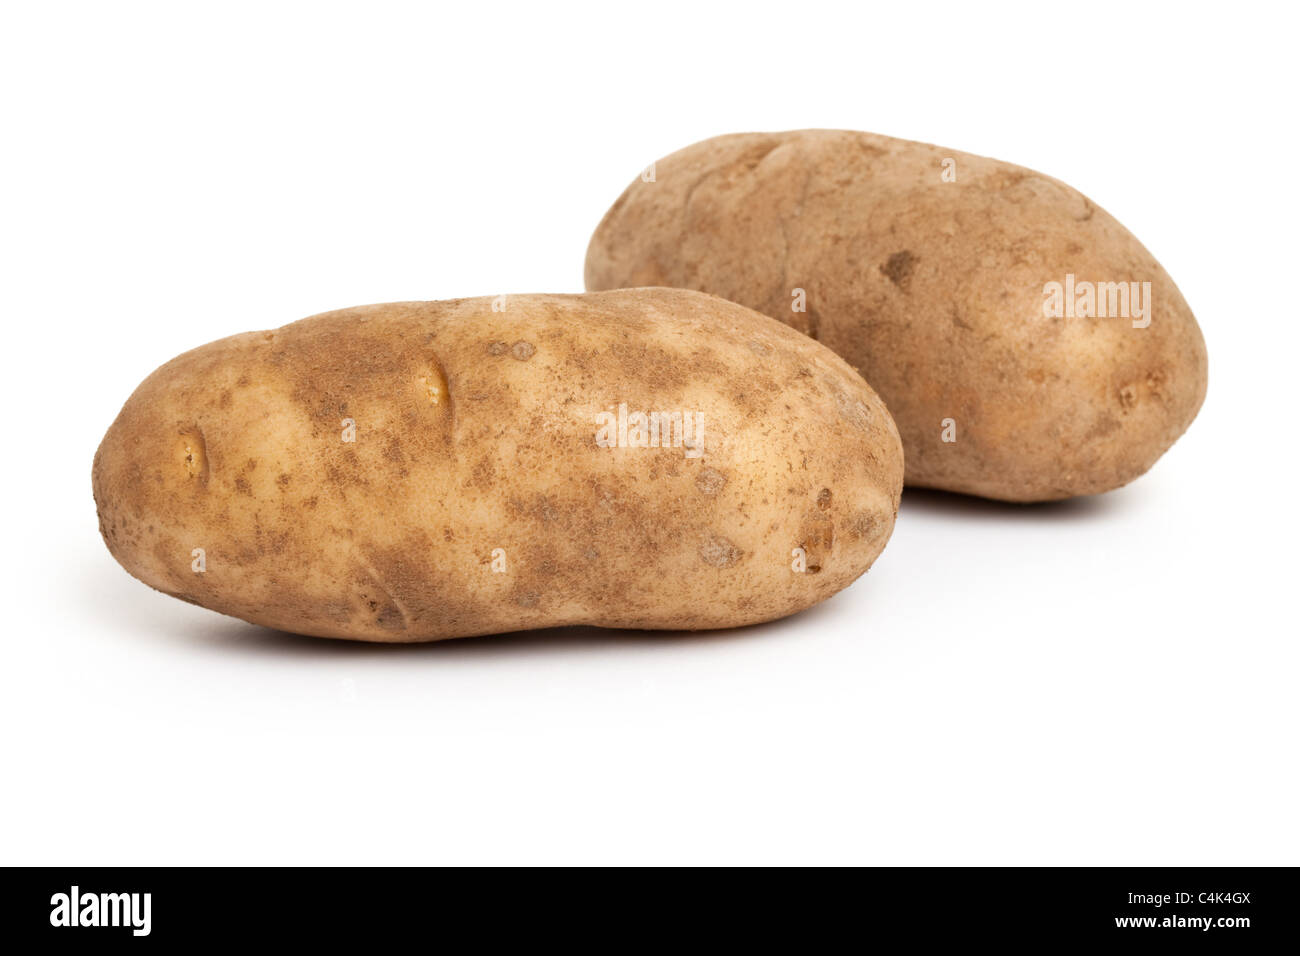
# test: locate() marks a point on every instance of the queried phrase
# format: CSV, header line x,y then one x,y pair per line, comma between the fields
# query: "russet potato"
x,y
647,458
1027,345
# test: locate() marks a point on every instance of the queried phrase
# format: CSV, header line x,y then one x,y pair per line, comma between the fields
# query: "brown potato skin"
x,y
476,430
933,290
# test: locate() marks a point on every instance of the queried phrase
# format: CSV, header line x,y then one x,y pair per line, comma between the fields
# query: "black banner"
x,y
1226,908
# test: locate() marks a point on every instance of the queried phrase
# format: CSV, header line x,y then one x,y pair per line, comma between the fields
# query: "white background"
x,y
1105,681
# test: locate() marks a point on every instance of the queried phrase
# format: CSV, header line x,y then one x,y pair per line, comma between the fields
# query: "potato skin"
x,y
475,430
934,291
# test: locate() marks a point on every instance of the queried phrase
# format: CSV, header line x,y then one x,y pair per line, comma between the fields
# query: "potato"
x,y
960,287
648,458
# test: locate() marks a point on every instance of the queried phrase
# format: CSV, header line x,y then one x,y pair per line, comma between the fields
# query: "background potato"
x,y
925,268
474,497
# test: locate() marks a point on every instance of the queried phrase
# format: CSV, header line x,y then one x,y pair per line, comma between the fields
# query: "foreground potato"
x,y
931,272
425,470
